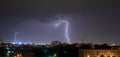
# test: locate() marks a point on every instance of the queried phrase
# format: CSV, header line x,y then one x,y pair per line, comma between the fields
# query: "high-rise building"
x,y
99,53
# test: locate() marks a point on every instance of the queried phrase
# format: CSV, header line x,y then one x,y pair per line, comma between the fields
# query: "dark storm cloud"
x,y
47,8
36,8
53,6
97,18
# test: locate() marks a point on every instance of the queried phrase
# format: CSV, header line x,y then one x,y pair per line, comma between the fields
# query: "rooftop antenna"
x,y
82,39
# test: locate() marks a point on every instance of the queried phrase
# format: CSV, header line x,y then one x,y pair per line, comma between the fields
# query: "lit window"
x,y
88,55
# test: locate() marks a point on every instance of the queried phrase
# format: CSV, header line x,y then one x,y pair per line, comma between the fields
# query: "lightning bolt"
x,y
66,28
15,37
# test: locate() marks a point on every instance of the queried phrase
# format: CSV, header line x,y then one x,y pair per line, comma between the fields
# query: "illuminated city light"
x,y
19,43
55,55
13,43
8,48
66,28
24,43
18,55
8,52
88,55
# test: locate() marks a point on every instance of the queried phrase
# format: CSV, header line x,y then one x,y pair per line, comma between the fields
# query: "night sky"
x,y
96,21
